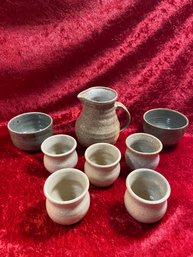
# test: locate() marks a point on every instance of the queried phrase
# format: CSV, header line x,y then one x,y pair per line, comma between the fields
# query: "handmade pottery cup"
x,y
142,151
166,124
59,152
102,164
67,196
29,130
146,195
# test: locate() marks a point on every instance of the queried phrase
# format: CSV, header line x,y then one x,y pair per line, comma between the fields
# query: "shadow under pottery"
x,y
125,225
36,225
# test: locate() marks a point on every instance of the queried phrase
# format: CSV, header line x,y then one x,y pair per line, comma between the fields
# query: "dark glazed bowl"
x,y
166,124
29,130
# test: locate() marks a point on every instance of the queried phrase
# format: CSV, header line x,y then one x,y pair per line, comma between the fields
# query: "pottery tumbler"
x,y
146,195
59,152
142,151
102,164
67,196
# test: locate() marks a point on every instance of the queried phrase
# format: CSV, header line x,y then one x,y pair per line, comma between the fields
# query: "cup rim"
x,y
99,165
64,172
29,113
170,110
140,199
61,154
146,135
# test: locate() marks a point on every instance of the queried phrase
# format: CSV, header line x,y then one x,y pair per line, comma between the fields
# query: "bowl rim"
x,y
25,114
63,172
170,110
61,154
142,200
145,135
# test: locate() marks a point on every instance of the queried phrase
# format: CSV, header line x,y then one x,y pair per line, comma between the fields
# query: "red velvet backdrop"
x,y
49,52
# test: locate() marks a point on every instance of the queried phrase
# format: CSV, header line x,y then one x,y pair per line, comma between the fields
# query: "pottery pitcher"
x,y
98,121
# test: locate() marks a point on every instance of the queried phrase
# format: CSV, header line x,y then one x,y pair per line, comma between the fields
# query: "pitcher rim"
x,y
100,87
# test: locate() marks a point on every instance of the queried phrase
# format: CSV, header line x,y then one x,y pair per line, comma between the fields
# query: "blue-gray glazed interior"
x,y
167,125
29,123
29,130
99,95
165,118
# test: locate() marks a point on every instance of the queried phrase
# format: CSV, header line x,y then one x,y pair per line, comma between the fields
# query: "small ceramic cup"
x,y
142,151
146,195
29,130
102,164
59,152
166,124
67,196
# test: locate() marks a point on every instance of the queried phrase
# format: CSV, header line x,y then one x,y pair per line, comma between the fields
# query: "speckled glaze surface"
x,y
142,151
29,130
59,152
146,195
166,124
98,121
102,164
67,196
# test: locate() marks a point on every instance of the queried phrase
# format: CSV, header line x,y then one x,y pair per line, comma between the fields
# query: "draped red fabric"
x,y
49,52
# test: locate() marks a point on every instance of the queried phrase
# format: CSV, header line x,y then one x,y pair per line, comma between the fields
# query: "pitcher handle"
x,y
128,119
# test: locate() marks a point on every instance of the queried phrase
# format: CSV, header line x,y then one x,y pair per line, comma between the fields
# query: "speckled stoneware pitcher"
x,y
98,121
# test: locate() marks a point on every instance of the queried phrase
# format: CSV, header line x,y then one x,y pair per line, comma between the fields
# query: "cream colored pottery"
x,y
146,195
59,152
142,151
98,121
67,196
102,164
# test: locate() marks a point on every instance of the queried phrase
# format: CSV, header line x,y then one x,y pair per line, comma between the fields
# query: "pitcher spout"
x,y
83,96
98,95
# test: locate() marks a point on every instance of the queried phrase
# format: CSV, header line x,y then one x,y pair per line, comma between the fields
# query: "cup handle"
x,y
128,119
